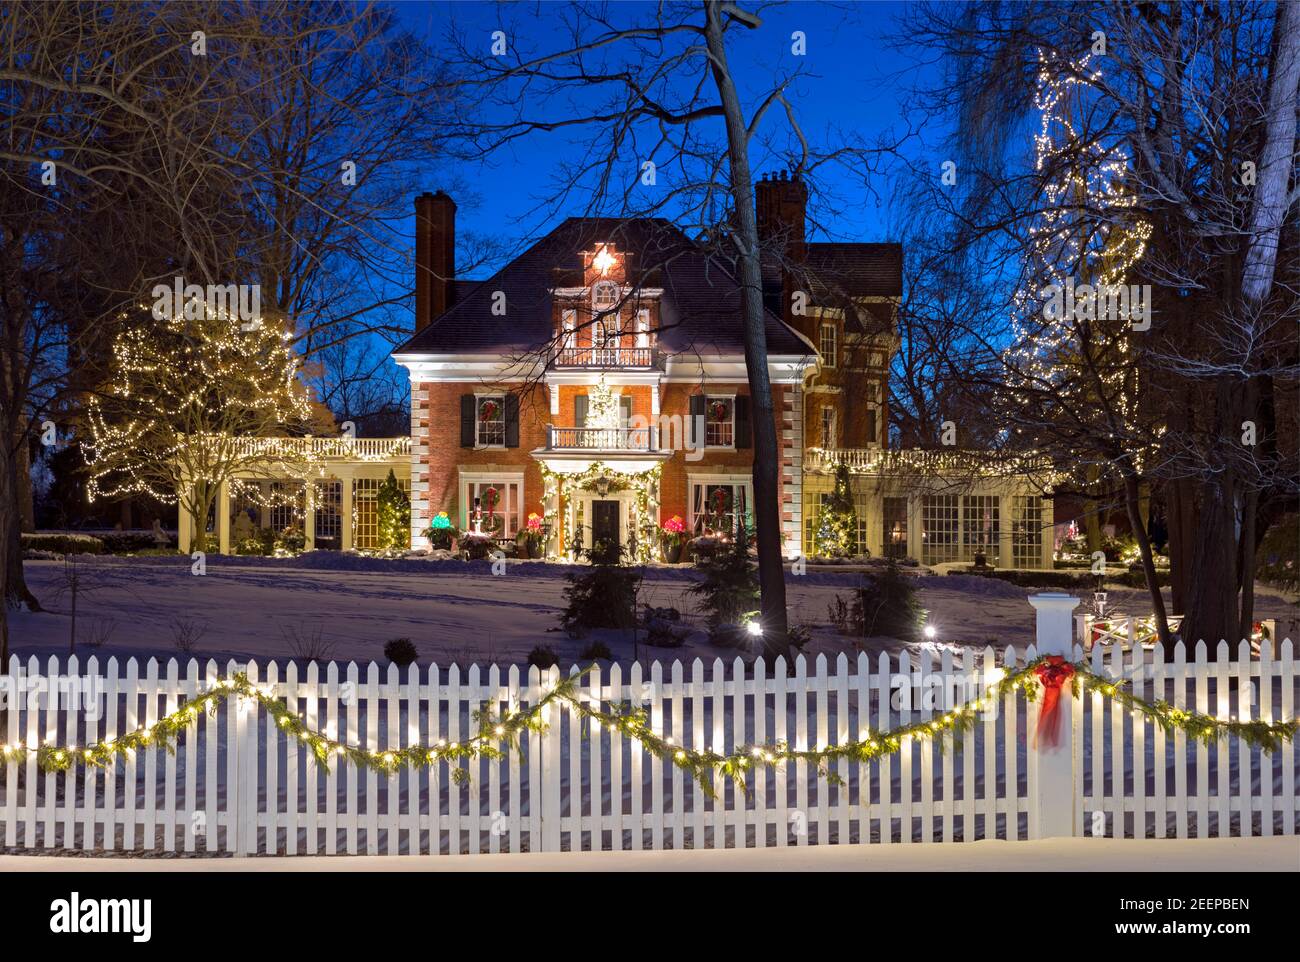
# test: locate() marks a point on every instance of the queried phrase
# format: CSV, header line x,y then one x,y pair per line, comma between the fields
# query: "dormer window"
x,y
604,295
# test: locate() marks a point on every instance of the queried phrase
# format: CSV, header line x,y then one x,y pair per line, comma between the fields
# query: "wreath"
x,y
488,410
721,500
489,499
719,410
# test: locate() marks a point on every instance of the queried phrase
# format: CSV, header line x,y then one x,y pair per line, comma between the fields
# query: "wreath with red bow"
x,y
488,410
719,410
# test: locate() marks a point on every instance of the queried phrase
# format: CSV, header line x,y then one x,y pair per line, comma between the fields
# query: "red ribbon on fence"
x,y
1054,672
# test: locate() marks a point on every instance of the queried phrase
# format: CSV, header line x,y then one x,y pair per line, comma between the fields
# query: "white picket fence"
x,y
234,786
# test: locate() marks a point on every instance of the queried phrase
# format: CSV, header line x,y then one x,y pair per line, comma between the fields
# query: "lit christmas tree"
x,y
837,524
192,403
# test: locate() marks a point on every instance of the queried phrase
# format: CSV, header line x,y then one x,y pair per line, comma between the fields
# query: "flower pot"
x,y
673,552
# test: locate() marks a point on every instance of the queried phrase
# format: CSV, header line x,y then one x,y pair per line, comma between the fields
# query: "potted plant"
x,y
533,537
674,539
440,532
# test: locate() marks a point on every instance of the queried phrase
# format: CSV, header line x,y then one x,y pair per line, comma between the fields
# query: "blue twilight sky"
x,y
855,82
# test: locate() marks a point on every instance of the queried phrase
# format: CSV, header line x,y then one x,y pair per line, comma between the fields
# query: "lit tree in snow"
x,y
191,403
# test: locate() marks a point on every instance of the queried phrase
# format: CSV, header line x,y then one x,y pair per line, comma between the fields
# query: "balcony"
x,y
630,440
642,358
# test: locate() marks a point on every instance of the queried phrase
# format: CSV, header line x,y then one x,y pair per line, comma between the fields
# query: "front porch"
x,y
319,490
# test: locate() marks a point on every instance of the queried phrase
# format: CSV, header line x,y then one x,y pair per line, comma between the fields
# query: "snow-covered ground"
x,y
453,611
1047,855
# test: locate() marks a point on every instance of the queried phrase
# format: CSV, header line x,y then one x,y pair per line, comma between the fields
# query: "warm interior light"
x,y
603,260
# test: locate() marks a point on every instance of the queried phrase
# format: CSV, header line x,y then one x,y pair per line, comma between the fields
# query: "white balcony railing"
x,y
601,439
605,357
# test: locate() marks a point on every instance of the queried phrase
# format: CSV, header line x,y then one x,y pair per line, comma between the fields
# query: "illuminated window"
x,y
604,295
829,345
719,422
940,522
980,527
828,428
490,423
1026,531
717,507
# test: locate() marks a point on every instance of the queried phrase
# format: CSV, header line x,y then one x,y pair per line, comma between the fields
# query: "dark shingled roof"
x,y
700,311
837,274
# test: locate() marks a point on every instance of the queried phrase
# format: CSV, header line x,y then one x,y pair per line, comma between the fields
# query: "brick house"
x,y
598,380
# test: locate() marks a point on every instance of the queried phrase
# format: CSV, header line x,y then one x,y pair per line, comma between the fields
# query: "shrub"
x,y
596,651
602,596
1279,554
400,651
730,585
62,543
186,633
122,542
306,643
543,657
291,540
886,604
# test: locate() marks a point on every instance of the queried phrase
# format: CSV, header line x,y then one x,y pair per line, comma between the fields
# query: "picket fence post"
x,y
1054,794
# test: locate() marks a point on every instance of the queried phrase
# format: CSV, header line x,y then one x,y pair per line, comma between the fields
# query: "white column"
x,y
1052,805
309,514
223,517
345,509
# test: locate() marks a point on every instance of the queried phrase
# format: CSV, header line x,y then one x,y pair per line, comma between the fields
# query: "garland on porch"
x,y
495,730
643,484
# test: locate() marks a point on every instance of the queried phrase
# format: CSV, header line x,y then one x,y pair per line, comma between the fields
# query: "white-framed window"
x,y
490,421
719,421
981,526
365,509
940,523
1026,531
719,503
604,295
568,325
500,502
643,327
829,345
605,332
829,439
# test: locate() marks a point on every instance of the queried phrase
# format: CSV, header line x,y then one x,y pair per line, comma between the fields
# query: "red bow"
x,y
1053,672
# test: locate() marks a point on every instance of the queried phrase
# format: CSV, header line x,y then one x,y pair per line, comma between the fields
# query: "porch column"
x,y
223,517
1005,503
1049,532
915,533
309,515
345,509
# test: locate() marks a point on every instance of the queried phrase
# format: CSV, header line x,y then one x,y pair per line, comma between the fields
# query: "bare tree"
x,y
657,88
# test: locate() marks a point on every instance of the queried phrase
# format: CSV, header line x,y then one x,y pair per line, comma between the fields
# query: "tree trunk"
x,y
16,591
1133,502
767,500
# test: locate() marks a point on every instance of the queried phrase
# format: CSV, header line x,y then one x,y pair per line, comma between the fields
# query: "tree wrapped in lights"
x,y
1071,386
393,511
193,403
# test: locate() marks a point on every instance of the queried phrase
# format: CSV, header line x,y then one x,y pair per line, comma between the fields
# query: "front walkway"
x,y
1280,854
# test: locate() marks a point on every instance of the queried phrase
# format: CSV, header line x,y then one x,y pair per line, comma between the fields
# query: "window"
x,y
490,423
1026,531
500,501
894,519
329,508
569,324
939,527
286,506
828,428
980,527
828,345
365,510
604,295
719,422
718,506
643,328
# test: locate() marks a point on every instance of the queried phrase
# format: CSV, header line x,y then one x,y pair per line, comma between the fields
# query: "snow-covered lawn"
x,y
453,611
1279,854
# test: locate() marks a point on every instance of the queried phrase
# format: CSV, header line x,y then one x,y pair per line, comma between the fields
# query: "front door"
x,y
604,522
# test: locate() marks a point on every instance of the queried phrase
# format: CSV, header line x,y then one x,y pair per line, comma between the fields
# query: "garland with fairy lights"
x,y
1046,674
644,486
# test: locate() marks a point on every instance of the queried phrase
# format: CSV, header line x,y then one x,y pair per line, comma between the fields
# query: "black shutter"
x,y
467,412
580,411
744,433
695,429
512,421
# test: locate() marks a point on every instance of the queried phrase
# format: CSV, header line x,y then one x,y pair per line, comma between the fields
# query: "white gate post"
x,y
1054,795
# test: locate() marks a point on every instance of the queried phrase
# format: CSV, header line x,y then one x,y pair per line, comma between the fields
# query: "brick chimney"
x,y
435,255
780,203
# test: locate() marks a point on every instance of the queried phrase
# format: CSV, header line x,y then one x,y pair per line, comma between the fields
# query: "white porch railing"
x,y
605,357
601,439
358,449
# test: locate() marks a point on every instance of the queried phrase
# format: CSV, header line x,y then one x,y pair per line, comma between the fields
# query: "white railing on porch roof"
x,y
346,449
601,439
